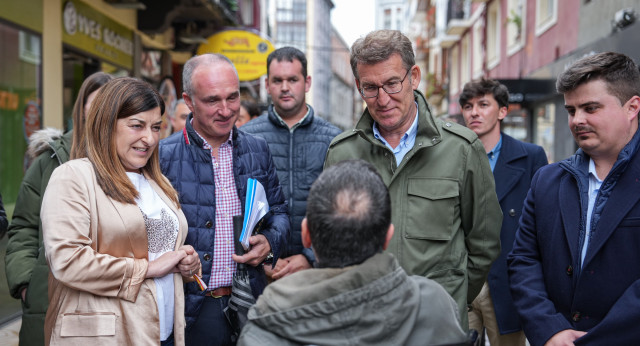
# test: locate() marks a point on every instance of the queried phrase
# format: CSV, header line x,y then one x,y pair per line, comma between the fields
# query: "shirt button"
x,y
208,224
576,316
570,270
207,257
512,212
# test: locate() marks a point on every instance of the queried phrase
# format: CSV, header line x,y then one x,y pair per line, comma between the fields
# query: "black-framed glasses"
x,y
371,91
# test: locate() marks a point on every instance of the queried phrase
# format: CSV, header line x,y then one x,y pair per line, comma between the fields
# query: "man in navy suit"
x,y
575,265
484,104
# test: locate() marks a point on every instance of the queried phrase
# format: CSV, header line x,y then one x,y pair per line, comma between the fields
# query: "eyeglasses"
x,y
371,91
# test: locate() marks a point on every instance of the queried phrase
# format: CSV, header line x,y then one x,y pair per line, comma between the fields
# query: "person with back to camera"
x,y
574,270
358,294
114,231
25,263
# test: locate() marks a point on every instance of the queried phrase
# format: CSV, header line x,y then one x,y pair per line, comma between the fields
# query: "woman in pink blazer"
x,y
114,231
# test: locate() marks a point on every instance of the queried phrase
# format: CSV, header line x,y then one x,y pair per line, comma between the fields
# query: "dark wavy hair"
x,y
483,86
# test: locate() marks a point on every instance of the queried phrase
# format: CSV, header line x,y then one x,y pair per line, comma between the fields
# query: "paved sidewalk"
x,y
9,333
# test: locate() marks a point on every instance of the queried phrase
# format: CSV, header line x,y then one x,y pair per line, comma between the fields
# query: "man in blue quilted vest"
x,y
209,163
298,140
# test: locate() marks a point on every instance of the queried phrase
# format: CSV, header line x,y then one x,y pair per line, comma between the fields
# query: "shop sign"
x,y
31,119
246,49
90,30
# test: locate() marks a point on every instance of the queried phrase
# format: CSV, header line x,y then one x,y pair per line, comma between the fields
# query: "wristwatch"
x,y
269,259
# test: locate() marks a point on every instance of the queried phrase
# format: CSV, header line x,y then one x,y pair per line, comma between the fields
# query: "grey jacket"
x,y
374,303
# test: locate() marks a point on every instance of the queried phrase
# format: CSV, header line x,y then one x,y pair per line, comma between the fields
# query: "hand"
x,y
23,293
165,264
290,265
190,264
259,250
280,263
565,338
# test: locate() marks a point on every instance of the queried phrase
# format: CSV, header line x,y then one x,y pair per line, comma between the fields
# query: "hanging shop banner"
x,y
89,30
247,49
27,13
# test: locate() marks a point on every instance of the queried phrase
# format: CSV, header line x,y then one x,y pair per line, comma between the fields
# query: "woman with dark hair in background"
x,y
25,265
114,231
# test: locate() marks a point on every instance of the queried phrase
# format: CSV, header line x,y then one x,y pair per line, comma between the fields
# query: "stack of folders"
x,y
256,206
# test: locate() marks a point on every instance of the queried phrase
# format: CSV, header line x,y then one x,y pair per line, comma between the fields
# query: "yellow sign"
x,y
247,50
87,29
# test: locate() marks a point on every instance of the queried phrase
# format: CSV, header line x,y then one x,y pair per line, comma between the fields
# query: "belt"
x,y
219,292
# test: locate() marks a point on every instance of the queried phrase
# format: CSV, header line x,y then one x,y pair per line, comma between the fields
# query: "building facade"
x,y
306,25
525,44
50,46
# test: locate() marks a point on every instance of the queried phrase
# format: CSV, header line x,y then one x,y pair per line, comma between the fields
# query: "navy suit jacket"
x,y
551,289
516,165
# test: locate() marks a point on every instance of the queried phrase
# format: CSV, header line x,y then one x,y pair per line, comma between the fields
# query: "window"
x,y
546,15
454,70
545,117
515,25
387,18
493,34
465,61
477,50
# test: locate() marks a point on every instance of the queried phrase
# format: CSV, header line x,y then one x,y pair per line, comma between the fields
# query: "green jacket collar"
x,y
428,132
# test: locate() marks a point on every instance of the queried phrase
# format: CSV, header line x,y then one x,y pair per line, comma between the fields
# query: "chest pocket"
x,y
432,205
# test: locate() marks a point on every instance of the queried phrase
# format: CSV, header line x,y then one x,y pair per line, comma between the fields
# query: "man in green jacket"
x,y
444,205
25,262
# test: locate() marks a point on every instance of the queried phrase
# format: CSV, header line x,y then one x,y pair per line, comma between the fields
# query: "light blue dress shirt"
x,y
494,153
594,188
406,142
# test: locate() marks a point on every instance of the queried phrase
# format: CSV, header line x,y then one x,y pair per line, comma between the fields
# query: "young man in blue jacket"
x,y
484,104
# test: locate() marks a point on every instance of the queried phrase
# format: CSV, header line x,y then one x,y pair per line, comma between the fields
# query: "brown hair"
x,y
378,46
91,84
618,71
121,98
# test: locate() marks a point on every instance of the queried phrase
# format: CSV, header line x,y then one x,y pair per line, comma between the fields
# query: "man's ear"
x,y
187,101
389,236
306,237
307,84
502,113
633,105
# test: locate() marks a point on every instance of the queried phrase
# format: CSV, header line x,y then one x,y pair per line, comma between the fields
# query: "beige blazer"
x,y
98,255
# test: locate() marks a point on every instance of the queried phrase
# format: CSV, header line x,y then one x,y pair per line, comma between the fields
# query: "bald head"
x,y
202,60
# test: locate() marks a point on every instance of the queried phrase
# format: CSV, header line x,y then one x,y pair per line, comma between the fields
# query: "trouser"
x,y
211,328
482,315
